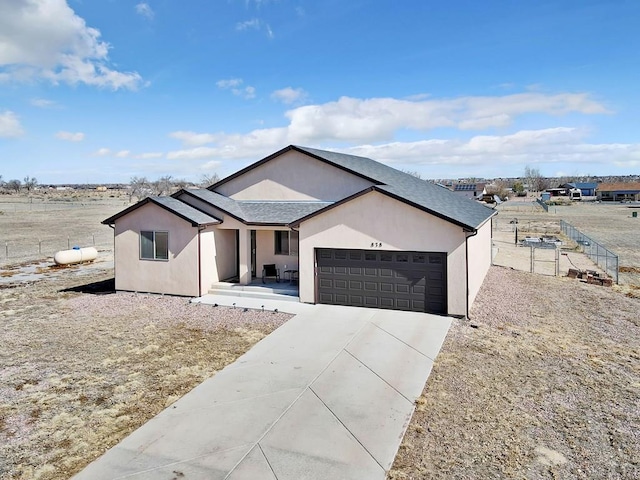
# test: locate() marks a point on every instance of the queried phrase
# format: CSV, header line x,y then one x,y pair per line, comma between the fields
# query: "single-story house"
x,y
470,190
354,231
618,192
587,189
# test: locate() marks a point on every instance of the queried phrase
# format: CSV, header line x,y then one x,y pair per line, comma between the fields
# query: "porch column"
x,y
244,257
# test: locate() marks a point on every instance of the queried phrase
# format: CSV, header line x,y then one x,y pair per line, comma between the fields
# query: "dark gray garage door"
x,y
413,281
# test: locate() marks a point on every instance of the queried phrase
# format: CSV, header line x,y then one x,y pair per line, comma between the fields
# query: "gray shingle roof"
x,y
181,209
279,212
226,204
256,212
426,195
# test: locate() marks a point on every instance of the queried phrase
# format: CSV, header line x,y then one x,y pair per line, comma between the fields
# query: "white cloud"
x,y
102,152
149,155
45,39
289,95
10,126
253,24
145,10
376,119
229,83
526,147
70,136
235,85
123,154
193,139
42,103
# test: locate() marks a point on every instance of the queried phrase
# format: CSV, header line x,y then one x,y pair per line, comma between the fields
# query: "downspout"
x,y
199,263
474,232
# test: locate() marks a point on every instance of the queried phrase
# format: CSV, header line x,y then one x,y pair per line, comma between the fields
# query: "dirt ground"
x,y
543,382
82,368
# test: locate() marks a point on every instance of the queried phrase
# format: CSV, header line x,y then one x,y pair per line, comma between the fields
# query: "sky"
x,y
100,91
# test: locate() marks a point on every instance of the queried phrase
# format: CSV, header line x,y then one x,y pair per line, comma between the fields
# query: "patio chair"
x,y
270,271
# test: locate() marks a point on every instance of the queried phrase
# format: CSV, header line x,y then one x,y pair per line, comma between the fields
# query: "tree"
x,y
162,186
535,181
518,187
208,179
14,185
30,183
139,187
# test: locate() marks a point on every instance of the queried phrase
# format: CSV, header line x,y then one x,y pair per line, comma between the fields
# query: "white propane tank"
x,y
76,255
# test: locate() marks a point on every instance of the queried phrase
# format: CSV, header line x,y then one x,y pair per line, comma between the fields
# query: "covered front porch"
x,y
269,253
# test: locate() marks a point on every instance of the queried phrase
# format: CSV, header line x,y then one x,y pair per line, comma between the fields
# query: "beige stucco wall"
x,y
376,218
178,275
479,259
293,176
265,253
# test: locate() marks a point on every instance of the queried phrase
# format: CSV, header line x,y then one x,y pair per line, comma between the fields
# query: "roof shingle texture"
x,y
438,200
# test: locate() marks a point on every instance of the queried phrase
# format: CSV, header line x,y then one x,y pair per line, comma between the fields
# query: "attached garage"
x,y
396,280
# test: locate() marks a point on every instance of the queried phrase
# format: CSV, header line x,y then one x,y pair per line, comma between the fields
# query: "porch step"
x,y
283,292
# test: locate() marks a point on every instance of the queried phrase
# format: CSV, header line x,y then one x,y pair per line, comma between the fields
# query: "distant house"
x,y
618,192
469,190
352,231
587,189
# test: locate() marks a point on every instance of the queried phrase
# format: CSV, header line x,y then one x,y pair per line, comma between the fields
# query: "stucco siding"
x,y
293,176
178,275
377,221
225,262
208,270
479,259
265,253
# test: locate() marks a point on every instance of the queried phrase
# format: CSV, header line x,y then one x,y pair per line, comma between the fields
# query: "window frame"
x,y
292,242
155,244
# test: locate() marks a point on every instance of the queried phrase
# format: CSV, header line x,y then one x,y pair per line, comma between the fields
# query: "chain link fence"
x,y
603,257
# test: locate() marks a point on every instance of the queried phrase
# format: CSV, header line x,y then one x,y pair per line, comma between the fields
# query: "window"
x,y
286,242
154,245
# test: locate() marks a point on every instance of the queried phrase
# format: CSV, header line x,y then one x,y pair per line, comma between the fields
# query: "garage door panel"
x,y
339,284
414,281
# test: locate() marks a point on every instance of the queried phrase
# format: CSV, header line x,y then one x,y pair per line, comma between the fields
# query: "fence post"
x,y
6,249
68,243
532,254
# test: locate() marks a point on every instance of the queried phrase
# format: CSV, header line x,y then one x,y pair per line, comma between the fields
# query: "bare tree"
x,y
535,181
14,185
162,186
139,187
30,183
208,179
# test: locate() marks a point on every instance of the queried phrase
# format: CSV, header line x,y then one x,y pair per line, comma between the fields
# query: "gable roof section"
x,y
252,212
389,191
412,190
195,217
583,185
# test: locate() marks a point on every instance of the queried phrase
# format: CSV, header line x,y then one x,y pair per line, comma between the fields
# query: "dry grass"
x,y
80,371
542,383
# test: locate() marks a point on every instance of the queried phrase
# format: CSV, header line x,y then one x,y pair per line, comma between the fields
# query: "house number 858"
x,y
376,244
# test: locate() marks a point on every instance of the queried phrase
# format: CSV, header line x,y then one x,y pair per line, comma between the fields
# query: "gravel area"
x,y
543,382
83,367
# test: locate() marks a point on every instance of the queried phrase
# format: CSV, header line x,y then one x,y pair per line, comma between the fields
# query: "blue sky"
x,y
103,90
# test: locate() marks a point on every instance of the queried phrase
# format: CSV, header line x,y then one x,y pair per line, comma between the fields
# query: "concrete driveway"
x,y
328,395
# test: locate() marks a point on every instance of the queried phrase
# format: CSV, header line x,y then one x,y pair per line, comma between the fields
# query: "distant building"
x,y
619,192
587,189
469,190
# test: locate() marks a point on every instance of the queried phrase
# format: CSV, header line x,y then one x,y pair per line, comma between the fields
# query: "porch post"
x,y
244,257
